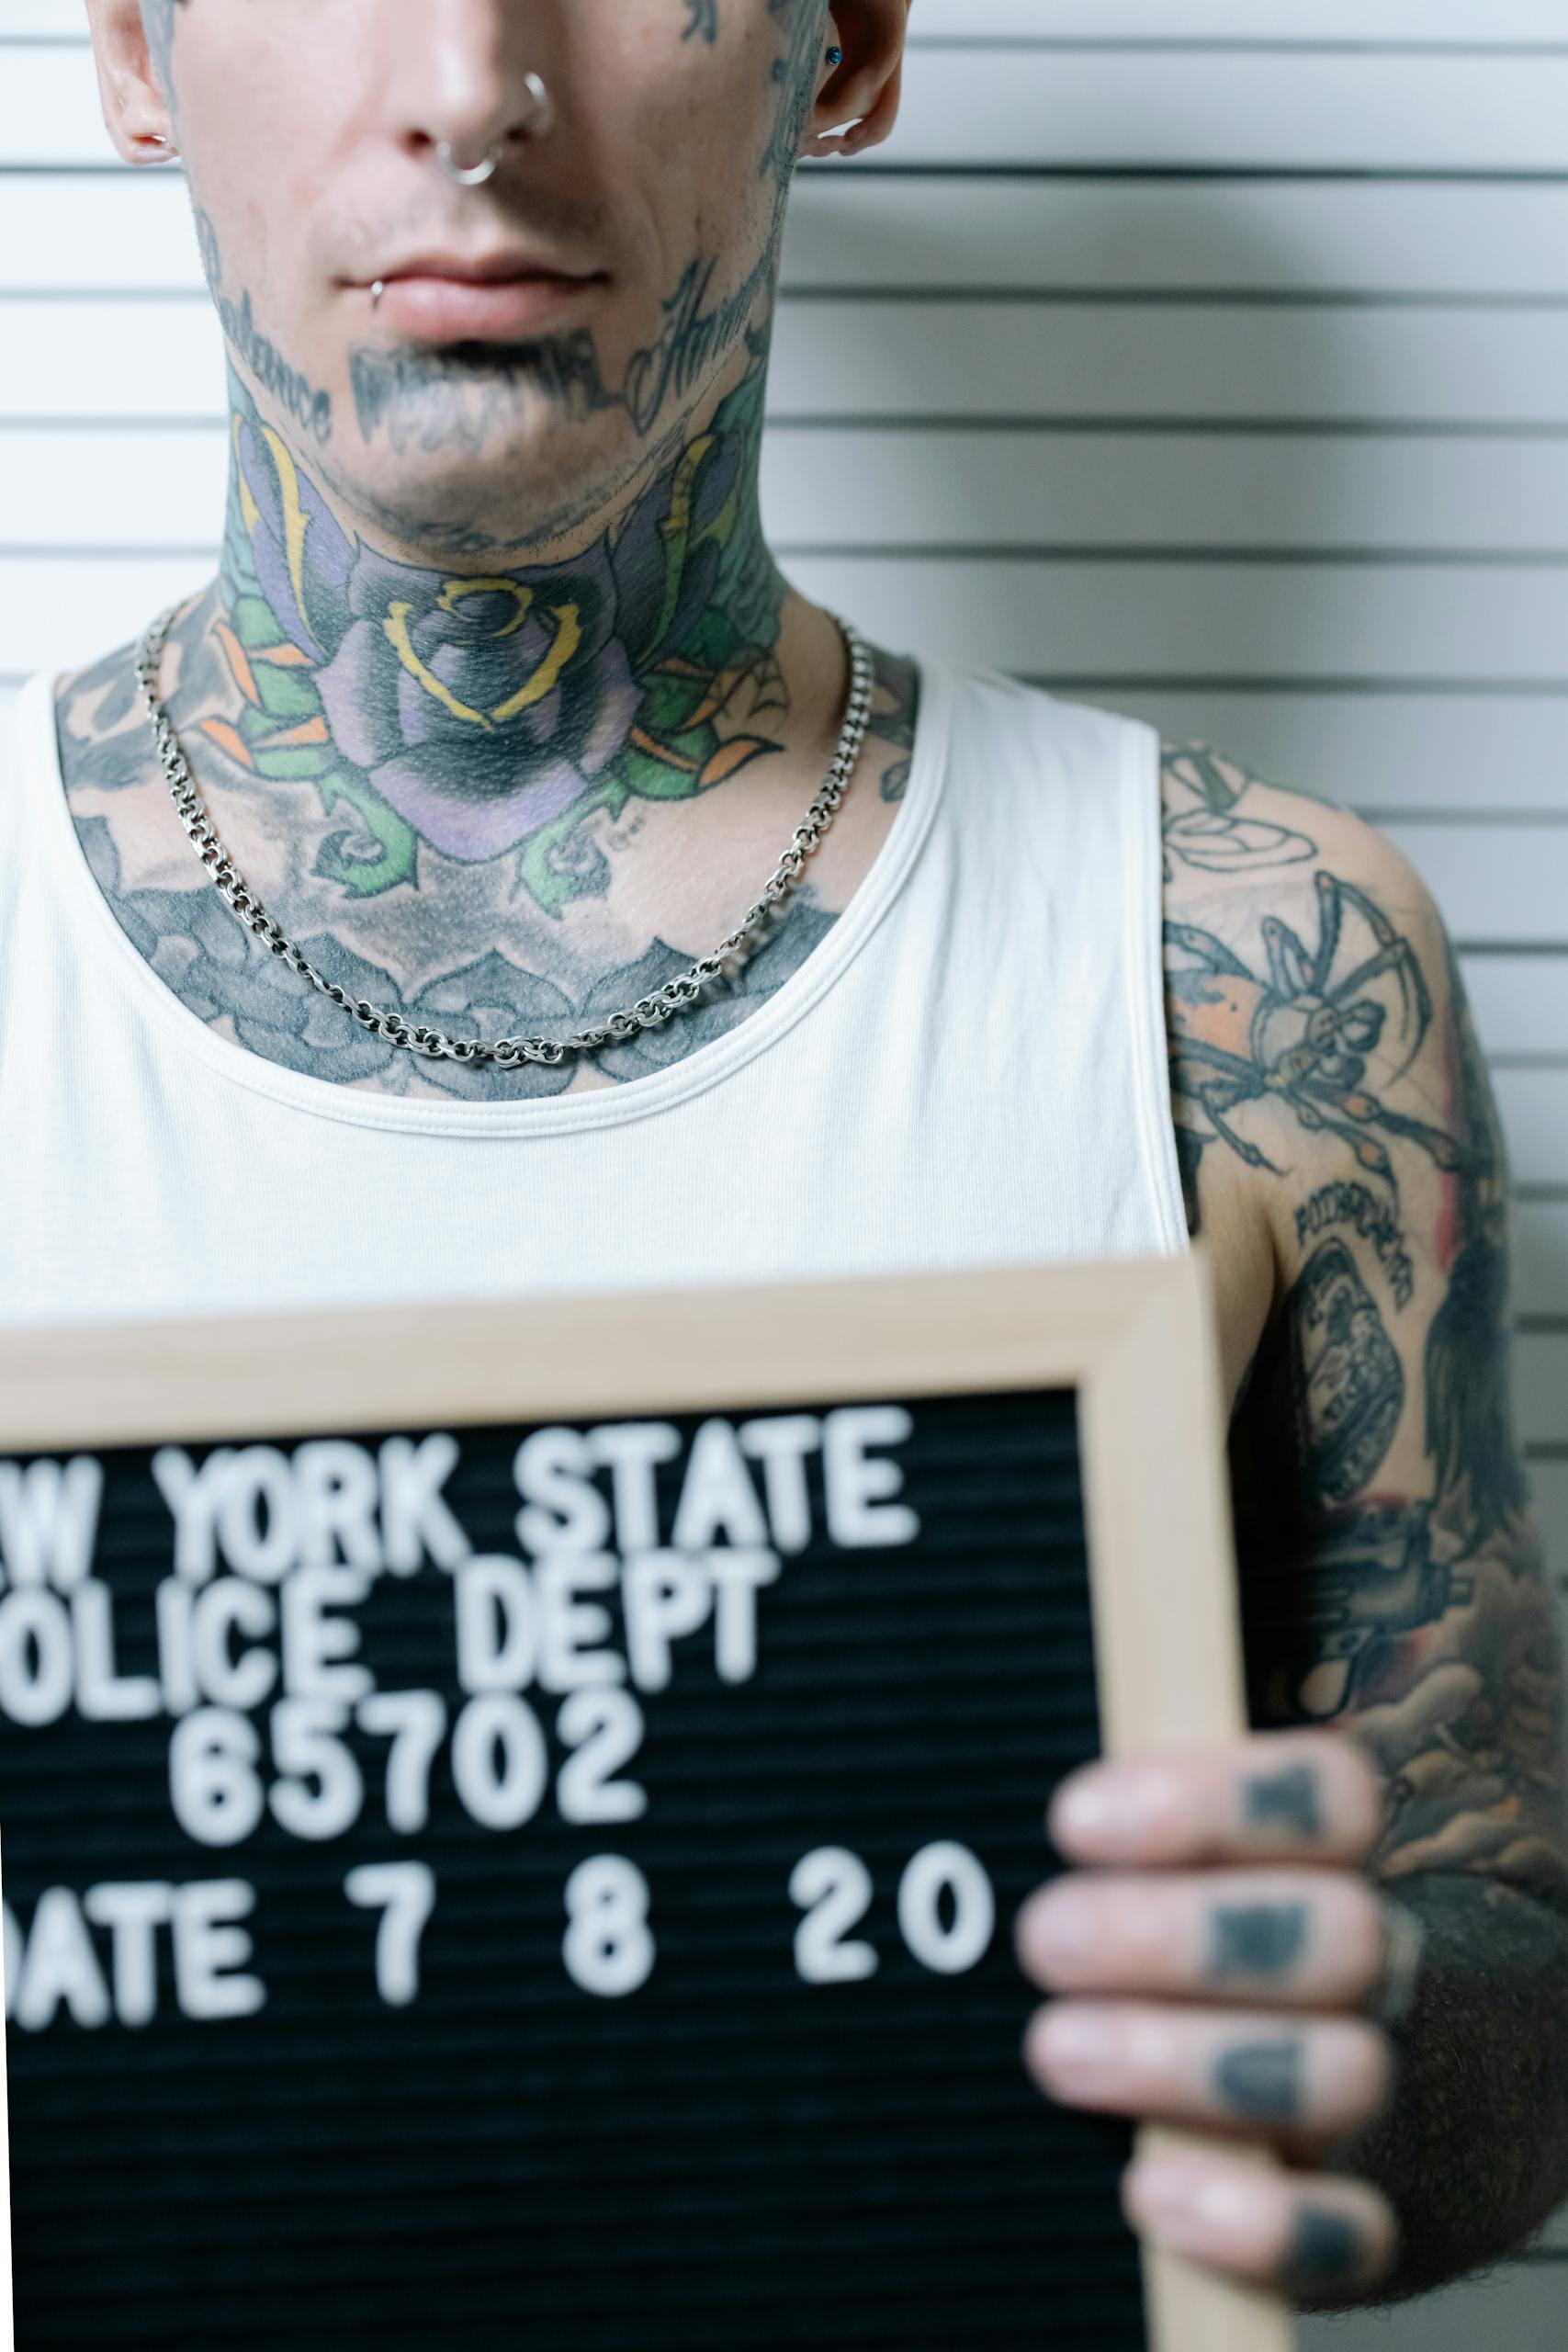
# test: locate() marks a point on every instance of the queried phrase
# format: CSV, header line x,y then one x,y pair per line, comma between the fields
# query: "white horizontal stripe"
x,y
1520,1002
1541,1279
1534,1108
1492,885
870,488
1265,20
1438,751
1101,236
1541,1376
1549,1496
1212,360
1260,620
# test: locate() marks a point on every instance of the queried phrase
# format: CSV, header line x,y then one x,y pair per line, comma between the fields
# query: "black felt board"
x,y
726,2156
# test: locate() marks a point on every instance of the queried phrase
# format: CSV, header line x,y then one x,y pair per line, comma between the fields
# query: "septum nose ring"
x,y
538,119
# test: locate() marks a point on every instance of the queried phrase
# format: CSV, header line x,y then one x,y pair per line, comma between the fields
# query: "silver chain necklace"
x,y
649,1012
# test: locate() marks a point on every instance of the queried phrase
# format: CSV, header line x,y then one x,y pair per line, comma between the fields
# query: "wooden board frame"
x,y
1134,1340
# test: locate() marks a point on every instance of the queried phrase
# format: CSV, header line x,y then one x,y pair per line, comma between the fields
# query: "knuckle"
x,y
1055,1933
1358,2070
1362,1794
1357,1935
1381,2231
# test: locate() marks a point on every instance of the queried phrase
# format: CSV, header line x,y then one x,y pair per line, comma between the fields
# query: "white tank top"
x,y
969,1069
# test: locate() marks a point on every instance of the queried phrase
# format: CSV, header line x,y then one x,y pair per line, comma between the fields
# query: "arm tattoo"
x,y
1393,1583
1425,1620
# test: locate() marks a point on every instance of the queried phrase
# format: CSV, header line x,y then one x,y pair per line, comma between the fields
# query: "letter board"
x,y
513,1816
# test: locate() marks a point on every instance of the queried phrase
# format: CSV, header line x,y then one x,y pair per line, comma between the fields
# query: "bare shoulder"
x,y
1316,1031
1311,987
1238,841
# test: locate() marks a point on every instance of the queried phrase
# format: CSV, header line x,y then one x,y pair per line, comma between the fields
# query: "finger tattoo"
x,y
1261,2080
1327,2250
1255,1940
1290,1799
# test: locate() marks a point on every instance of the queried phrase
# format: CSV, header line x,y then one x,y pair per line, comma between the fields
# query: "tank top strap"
x,y
1050,831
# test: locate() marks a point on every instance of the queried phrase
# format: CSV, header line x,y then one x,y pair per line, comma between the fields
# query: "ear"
x,y
137,109
863,92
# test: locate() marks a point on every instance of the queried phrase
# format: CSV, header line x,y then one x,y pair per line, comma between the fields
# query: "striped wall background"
x,y
1208,358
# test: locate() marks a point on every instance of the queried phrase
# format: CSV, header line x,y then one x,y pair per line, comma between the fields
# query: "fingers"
x,y
1312,1938
1308,2079
1298,1796
1319,2241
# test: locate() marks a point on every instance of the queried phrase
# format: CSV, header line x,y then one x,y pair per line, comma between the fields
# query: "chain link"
x,y
650,1012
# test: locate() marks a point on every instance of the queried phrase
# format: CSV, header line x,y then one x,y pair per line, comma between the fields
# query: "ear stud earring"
x,y
835,57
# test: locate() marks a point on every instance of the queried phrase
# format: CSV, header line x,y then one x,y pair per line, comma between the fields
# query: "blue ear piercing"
x,y
835,57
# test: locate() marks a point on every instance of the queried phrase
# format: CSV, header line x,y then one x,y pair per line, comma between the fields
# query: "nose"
x,y
470,77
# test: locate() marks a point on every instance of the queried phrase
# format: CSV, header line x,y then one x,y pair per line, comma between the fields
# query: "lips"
x,y
440,302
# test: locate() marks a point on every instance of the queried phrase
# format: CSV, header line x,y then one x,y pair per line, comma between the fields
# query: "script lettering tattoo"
x,y
421,401
310,409
1351,1204
1290,1798
693,340
1261,2080
702,20
1255,1940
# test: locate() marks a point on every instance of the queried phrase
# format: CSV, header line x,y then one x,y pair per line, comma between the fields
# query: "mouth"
x,y
436,301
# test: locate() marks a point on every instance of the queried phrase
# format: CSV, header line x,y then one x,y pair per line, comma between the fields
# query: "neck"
x,y
486,713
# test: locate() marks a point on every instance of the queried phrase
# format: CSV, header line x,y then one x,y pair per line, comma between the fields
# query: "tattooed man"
x,y
503,712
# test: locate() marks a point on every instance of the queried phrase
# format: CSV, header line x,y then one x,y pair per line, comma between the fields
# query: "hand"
x,y
1216,1951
